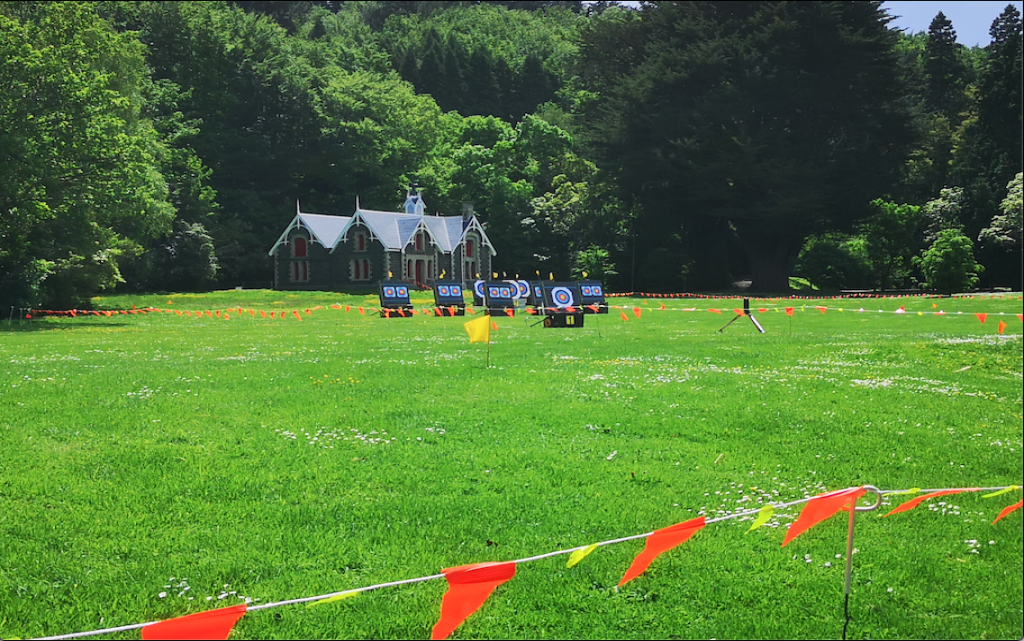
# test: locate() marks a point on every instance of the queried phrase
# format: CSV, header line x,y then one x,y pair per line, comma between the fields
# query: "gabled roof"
x,y
323,228
394,230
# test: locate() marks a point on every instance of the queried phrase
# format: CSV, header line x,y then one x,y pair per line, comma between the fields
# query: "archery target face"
x,y
443,290
586,290
523,287
561,296
402,292
456,290
478,288
389,292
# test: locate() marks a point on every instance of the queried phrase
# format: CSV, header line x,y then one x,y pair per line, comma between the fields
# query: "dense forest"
x,y
162,146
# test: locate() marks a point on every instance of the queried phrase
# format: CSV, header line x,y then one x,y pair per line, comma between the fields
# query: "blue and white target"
x,y
597,290
586,291
456,290
524,288
389,292
494,292
478,288
443,290
402,292
562,296
505,292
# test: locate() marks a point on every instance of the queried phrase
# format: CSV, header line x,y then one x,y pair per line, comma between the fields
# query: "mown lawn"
x,y
157,464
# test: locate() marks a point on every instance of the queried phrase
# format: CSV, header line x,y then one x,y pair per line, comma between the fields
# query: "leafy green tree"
x,y
948,265
834,261
891,237
79,184
1005,229
988,154
593,263
747,126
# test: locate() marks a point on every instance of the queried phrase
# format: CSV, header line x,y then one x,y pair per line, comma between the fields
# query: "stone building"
x,y
343,253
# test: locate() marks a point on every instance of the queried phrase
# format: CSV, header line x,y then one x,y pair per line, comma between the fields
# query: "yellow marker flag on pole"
x,y
479,329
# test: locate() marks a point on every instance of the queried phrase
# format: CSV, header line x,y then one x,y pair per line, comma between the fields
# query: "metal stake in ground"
x,y
849,551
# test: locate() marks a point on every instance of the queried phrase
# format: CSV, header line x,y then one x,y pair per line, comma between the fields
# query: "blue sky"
x,y
971,20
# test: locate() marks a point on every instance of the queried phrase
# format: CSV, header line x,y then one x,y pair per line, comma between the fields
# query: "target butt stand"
x,y
746,312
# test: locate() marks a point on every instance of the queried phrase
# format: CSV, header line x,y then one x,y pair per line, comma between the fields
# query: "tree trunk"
x,y
772,251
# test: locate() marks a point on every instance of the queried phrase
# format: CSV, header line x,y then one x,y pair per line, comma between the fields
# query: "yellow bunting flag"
x,y
579,555
479,329
763,515
1000,492
336,597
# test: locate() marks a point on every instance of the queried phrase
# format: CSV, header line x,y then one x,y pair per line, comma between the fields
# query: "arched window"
x,y
360,269
419,241
299,249
469,248
360,238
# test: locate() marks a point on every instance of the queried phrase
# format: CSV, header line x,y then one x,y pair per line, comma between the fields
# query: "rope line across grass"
x,y
828,504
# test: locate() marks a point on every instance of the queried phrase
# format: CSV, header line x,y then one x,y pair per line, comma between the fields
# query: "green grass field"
x,y
153,465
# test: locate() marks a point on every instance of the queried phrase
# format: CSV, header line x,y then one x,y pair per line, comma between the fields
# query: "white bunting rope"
x,y
354,591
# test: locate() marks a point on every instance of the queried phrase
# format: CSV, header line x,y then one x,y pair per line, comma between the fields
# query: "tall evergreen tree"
x,y
765,122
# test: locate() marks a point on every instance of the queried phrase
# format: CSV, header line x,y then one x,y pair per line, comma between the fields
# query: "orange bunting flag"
x,y
264,314
762,310
336,306
510,313
1002,327
348,308
624,317
911,504
451,310
982,316
1008,509
209,314
789,311
739,312
217,313
468,588
662,306
296,314
822,309
820,508
494,326
214,624
593,308
361,311
636,312
659,542
308,312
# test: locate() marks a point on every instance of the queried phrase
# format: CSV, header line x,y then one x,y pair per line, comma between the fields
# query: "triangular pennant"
x,y
636,312
579,555
763,515
659,542
1008,509
982,316
468,588
624,317
912,503
214,624
820,508
1002,327
296,314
